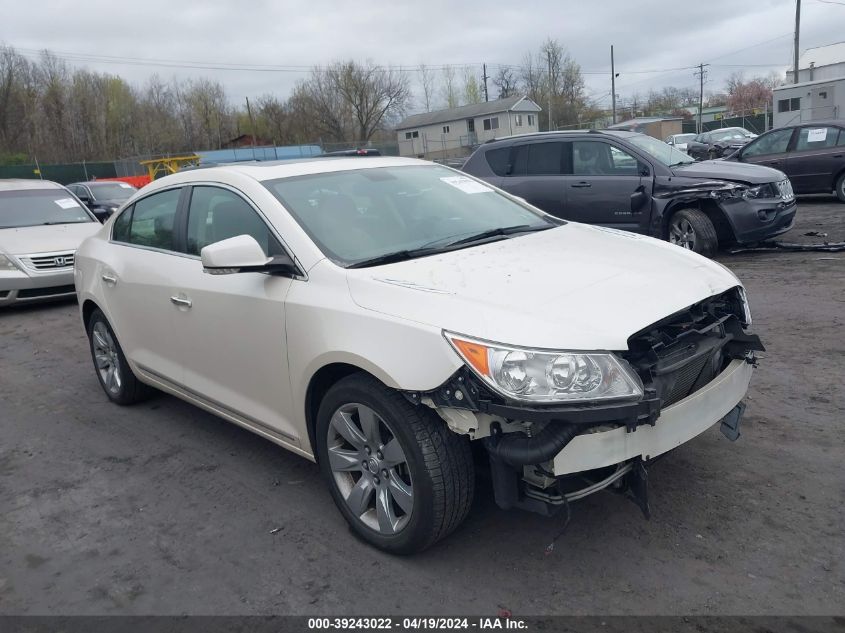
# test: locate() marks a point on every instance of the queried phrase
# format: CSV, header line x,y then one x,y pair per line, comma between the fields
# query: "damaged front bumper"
x,y
695,366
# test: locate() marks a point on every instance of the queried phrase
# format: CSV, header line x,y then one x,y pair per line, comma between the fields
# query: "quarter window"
x,y
216,214
153,219
499,160
120,230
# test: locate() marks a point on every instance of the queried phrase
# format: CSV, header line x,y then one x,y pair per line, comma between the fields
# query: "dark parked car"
x,y
638,183
718,143
102,197
811,154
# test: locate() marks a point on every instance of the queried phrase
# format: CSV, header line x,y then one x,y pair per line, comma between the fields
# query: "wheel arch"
x,y
88,307
836,178
318,386
724,230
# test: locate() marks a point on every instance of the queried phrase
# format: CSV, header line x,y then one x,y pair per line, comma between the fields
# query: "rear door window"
x,y
816,138
545,159
153,220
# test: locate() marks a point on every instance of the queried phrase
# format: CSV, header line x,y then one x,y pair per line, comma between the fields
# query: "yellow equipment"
x,y
163,166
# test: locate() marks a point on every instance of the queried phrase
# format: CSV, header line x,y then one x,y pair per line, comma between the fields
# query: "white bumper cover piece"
x,y
677,424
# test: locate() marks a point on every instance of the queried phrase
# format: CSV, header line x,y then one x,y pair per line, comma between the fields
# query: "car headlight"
x,y
7,264
548,376
760,191
746,308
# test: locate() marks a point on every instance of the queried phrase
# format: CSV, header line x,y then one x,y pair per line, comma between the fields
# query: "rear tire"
x,y
840,187
693,230
399,476
113,372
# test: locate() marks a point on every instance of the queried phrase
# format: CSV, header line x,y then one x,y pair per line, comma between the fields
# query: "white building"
x,y
454,132
808,101
822,62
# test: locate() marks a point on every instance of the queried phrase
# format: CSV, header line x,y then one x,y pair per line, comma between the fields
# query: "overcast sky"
x,y
648,36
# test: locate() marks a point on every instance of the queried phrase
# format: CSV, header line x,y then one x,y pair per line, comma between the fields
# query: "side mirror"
x,y
638,199
242,254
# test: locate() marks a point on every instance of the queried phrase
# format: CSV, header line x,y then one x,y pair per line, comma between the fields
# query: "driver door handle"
x,y
109,279
181,301
580,185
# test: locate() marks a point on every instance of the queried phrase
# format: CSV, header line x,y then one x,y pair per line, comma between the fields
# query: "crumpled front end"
x,y
695,368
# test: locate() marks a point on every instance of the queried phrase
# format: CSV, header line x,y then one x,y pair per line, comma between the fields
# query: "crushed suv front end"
x,y
694,367
758,212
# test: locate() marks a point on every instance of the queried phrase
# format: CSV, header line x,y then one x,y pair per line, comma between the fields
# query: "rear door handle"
x,y
109,279
181,301
581,185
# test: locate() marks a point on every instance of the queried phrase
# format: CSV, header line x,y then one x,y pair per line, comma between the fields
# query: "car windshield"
x,y
360,215
729,134
112,190
660,151
34,207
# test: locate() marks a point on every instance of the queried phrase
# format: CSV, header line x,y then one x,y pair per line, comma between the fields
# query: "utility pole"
x,y
485,78
613,85
549,57
795,51
701,73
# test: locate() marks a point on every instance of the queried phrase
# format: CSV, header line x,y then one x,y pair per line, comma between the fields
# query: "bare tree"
x,y
450,89
506,81
427,82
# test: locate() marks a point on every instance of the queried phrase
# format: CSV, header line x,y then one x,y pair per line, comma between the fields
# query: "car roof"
x,y
565,133
271,170
820,122
18,184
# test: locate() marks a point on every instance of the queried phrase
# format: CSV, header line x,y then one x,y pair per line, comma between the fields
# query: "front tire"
x,y
113,372
693,230
840,187
399,476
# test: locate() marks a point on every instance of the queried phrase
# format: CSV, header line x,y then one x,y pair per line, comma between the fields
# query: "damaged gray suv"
x,y
637,183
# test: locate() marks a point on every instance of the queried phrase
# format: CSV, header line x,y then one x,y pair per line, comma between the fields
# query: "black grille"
x,y
680,354
680,382
32,293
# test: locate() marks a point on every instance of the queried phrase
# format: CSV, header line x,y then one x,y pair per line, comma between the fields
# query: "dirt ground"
x,y
164,509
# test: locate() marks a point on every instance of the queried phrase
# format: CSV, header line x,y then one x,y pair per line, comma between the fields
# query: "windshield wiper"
x,y
501,231
396,256
429,249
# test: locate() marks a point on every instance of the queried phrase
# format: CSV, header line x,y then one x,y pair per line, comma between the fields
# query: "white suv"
x,y
383,316
41,226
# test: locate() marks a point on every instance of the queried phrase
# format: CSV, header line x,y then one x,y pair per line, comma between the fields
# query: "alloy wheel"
x,y
370,468
106,357
682,233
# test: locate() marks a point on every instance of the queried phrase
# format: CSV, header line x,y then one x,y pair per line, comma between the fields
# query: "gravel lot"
x,y
164,509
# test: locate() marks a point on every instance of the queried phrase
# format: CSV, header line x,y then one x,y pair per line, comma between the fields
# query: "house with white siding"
x,y
456,131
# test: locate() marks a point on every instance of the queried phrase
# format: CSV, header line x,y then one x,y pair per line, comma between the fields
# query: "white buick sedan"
x,y
385,317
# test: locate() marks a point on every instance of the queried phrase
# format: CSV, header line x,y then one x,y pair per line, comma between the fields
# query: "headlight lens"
x,y
760,191
6,263
746,309
548,376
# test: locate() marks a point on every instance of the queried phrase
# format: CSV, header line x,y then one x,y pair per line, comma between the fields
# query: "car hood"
x,y
573,287
46,239
728,170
